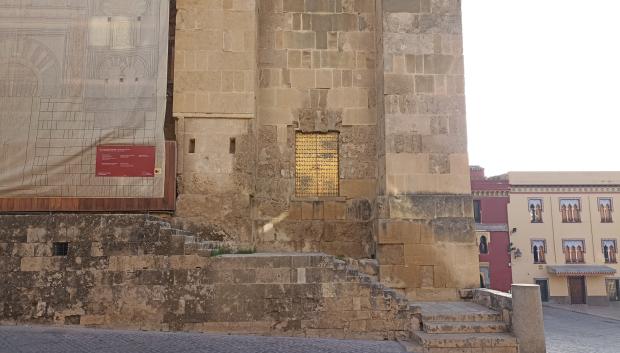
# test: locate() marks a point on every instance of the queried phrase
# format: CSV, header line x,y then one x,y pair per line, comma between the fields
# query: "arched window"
x,y
570,210
574,251
535,208
483,247
606,253
538,250
609,250
605,208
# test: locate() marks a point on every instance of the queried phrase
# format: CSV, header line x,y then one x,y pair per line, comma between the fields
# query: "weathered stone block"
x,y
399,232
424,84
356,188
302,78
335,210
401,6
299,40
398,84
321,6
359,116
292,5
337,59
391,254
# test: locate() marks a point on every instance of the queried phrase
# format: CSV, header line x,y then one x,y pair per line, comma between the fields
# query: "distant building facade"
x,y
565,234
490,197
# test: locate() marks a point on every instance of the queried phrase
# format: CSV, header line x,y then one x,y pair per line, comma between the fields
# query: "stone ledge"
x,y
495,300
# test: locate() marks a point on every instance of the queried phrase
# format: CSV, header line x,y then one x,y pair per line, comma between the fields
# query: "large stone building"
x,y
565,234
300,125
335,126
304,130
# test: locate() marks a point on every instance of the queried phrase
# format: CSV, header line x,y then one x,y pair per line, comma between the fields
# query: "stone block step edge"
x,y
411,347
460,317
464,340
438,327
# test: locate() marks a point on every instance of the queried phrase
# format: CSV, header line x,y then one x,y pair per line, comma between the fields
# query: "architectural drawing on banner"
x,y
73,77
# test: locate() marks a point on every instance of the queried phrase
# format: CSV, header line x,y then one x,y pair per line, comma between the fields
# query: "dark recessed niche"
x,y
60,249
233,145
192,146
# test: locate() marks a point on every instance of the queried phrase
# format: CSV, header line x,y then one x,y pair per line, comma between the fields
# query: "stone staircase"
x,y
457,327
441,327
190,243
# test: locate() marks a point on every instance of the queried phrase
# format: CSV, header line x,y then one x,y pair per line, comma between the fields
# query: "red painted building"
x,y
491,197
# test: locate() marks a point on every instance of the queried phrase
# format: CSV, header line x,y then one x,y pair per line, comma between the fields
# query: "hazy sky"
x,y
542,84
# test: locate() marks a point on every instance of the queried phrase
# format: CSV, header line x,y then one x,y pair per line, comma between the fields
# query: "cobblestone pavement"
x,y
572,332
22,339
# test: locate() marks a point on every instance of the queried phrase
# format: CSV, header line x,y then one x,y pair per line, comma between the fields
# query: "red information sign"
x,y
125,161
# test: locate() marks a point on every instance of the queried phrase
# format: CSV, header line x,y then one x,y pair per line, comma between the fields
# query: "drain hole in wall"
x,y
233,145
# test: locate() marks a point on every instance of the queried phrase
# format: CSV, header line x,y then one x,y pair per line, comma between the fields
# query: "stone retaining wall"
x,y
128,272
495,300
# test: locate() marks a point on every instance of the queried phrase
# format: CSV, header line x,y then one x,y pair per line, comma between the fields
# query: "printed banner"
x,y
74,75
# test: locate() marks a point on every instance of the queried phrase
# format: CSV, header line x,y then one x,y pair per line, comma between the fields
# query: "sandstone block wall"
x,y
130,272
425,233
386,75
214,57
214,104
316,63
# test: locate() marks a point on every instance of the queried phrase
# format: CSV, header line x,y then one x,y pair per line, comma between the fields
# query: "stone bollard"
x,y
527,318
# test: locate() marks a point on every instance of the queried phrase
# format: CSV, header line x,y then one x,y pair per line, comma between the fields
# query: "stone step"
x,y
461,317
465,327
411,347
465,340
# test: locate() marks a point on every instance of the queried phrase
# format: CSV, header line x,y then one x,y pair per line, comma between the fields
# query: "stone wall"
x,y
316,73
386,75
495,300
426,241
215,57
214,103
137,273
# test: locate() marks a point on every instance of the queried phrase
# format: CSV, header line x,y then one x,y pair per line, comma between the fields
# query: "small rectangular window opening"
x,y
233,146
477,211
61,249
192,146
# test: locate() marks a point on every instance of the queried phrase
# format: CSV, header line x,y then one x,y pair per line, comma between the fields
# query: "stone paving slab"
x,y
571,332
38,339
